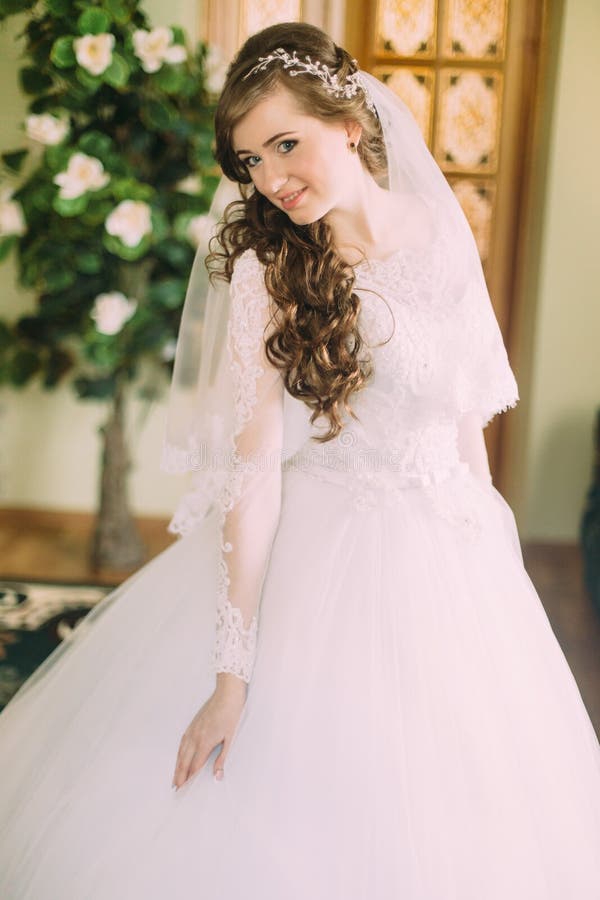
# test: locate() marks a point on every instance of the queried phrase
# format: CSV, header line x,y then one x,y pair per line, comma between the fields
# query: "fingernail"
x,y
219,774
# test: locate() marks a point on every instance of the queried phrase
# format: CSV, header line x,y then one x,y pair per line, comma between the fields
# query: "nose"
x,y
274,175
276,185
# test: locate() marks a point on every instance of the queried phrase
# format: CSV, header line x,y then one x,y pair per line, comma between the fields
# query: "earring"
x,y
352,147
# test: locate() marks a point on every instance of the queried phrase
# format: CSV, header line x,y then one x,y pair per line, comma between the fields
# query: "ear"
x,y
353,131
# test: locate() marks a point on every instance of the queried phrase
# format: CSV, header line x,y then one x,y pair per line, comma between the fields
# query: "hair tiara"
x,y
351,85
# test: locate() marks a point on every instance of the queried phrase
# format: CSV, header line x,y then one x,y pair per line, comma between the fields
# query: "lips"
x,y
291,200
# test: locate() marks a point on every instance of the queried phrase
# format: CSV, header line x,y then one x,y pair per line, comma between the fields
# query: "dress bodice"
x,y
437,352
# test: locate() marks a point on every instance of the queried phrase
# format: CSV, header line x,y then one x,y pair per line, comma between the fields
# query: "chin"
x,y
307,216
304,219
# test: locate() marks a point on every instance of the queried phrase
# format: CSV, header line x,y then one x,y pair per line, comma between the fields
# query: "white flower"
x,y
168,350
130,221
12,220
191,184
111,311
215,70
198,229
84,173
94,51
156,47
46,129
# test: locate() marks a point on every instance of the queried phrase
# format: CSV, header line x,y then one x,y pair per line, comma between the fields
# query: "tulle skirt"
x,y
412,729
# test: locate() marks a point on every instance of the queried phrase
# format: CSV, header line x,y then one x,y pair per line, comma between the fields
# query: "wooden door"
x,y
469,70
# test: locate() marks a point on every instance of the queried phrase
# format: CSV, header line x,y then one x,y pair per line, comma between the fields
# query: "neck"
x,y
363,218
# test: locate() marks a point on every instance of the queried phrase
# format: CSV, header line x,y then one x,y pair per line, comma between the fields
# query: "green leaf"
x,y
147,336
9,7
62,53
169,292
70,207
96,143
118,72
5,336
204,149
100,388
56,280
97,212
57,365
183,129
23,366
6,245
160,225
33,81
158,115
103,350
90,82
33,328
57,157
115,246
93,21
118,10
130,189
13,159
169,79
178,254
58,8
41,196
89,262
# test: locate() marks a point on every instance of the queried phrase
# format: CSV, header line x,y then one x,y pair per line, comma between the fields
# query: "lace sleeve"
x,y
485,381
251,498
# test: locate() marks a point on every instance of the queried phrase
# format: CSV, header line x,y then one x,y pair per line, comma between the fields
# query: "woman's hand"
x,y
215,722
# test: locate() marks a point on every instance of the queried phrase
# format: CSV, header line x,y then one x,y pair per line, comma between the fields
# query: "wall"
x,y
565,387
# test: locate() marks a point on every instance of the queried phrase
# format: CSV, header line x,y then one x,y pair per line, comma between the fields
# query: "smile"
x,y
292,199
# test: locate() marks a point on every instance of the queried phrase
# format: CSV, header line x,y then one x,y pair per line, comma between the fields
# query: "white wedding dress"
x,y
412,730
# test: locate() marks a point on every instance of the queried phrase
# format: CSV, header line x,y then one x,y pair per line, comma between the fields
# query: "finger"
x,y
198,761
219,766
184,758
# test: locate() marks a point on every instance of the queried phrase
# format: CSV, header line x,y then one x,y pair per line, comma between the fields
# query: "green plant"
x,y
103,205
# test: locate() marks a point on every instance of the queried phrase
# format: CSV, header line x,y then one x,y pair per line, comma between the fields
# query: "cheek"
x,y
323,166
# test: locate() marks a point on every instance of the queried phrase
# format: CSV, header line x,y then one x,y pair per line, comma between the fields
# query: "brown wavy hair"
x,y
315,343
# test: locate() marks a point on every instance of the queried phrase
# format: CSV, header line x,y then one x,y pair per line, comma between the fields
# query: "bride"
x,y
380,708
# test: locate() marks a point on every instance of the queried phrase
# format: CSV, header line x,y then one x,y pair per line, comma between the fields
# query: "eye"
x,y
289,141
287,145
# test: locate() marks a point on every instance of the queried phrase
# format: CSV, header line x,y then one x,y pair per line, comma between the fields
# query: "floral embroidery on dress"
x,y
235,644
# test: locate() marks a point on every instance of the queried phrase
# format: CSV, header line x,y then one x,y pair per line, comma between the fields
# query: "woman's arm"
x,y
252,514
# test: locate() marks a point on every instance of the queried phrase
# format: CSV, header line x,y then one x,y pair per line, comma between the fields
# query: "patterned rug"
x,y
35,616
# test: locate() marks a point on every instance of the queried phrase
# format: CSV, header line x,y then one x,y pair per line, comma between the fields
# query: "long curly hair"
x,y
316,343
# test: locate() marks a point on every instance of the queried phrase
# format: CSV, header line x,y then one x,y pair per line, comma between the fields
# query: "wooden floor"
x,y
54,546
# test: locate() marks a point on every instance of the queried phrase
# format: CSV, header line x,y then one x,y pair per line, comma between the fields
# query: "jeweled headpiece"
x,y
348,88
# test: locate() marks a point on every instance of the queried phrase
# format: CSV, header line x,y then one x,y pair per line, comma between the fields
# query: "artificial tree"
x,y
102,209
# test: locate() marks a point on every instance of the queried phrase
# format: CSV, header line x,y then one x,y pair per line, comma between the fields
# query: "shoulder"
x,y
248,268
252,309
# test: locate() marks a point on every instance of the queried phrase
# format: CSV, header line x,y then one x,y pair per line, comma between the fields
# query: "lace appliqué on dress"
x,y
235,644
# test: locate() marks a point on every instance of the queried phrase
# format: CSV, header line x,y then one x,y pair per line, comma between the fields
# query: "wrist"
x,y
230,685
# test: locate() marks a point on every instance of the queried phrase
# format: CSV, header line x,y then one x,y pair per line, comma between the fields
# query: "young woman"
x,y
384,711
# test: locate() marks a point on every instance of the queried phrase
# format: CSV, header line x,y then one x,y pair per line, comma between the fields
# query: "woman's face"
x,y
300,163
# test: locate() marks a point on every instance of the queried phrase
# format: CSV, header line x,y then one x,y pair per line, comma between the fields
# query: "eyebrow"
x,y
270,141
